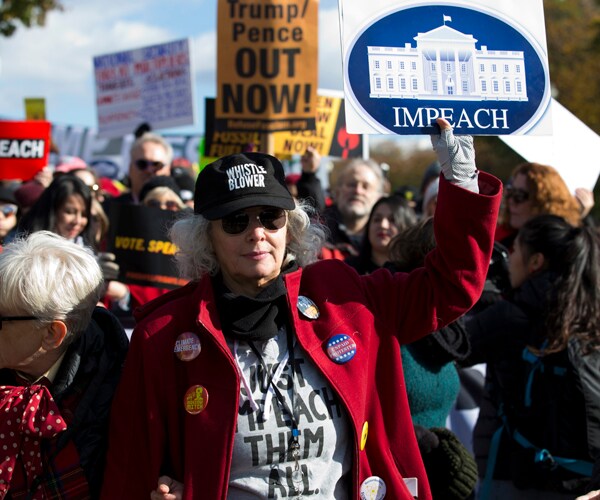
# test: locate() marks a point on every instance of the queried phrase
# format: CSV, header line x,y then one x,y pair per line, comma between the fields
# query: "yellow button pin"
x,y
363,437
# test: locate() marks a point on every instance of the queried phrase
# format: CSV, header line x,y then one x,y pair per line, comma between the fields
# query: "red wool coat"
x,y
151,432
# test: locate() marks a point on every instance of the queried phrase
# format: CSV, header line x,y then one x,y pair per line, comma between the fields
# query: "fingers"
x,y
592,495
110,269
162,492
310,160
444,124
585,198
164,483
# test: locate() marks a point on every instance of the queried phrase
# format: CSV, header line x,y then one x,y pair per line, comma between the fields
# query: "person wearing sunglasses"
x,y
150,155
162,192
535,189
56,343
274,374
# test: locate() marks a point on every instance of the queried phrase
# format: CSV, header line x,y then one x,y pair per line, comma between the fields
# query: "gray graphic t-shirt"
x,y
263,465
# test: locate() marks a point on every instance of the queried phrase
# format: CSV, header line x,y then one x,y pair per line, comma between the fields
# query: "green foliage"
x,y
573,35
27,13
495,157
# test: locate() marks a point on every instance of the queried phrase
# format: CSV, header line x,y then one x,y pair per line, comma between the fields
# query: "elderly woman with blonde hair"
x,y
272,374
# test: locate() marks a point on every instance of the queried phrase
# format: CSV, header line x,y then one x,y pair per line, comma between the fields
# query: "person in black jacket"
x,y
538,431
65,354
308,186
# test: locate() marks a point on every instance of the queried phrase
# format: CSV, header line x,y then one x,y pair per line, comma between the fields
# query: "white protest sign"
x,y
572,150
481,65
148,85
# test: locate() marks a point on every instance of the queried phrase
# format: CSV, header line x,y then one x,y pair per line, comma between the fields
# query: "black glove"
x,y
451,469
110,269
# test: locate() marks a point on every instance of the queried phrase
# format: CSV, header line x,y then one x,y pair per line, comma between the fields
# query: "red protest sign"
x,y
24,148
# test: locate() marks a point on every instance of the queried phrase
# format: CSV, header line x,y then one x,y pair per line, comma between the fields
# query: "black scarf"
x,y
252,318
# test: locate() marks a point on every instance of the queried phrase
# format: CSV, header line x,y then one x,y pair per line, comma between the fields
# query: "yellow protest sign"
x,y
35,108
329,138
267,71
296,142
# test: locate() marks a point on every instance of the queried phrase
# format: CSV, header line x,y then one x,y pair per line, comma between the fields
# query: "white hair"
x,y
47,276
195,255
363,162
156,139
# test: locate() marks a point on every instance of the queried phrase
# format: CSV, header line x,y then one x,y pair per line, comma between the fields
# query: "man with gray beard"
x,y
360,184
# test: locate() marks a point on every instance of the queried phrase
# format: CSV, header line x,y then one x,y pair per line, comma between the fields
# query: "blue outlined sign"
x,y
484,69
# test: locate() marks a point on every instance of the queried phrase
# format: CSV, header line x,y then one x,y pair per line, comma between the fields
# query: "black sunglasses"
x,y
144,164
8,210
271,219
517,195
16,318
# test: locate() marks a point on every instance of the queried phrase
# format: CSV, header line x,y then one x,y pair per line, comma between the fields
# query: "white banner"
x,y
481,65
572,150
149,85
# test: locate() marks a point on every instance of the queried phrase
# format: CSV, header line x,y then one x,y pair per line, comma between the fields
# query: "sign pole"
x,y
267,143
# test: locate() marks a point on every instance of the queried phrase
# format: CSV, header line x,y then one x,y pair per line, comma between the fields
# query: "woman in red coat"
x,y
272,375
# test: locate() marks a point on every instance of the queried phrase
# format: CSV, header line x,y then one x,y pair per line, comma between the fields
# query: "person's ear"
x,y
536,262
54,335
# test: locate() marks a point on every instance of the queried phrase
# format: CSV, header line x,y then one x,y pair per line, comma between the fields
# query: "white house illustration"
x,y
446,65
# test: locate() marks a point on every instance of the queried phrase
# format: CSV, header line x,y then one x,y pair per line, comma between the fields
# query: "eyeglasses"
x,y
517,195
271,219
16,318
144,164
168,205
8,210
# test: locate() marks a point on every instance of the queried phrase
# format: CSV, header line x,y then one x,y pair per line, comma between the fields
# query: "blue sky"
x,y
55,61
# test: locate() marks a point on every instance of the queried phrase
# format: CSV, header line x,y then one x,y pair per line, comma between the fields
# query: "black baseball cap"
x,y
241,181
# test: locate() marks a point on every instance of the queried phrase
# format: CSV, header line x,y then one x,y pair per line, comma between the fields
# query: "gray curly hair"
x,y
195,255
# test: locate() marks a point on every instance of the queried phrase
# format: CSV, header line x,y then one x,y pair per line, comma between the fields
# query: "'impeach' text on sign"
x,y
24,148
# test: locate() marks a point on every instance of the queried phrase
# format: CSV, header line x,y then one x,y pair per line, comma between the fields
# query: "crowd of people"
x,y
317,347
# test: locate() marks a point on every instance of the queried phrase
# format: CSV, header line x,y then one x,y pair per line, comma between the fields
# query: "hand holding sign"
x,y
456,156
110,269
